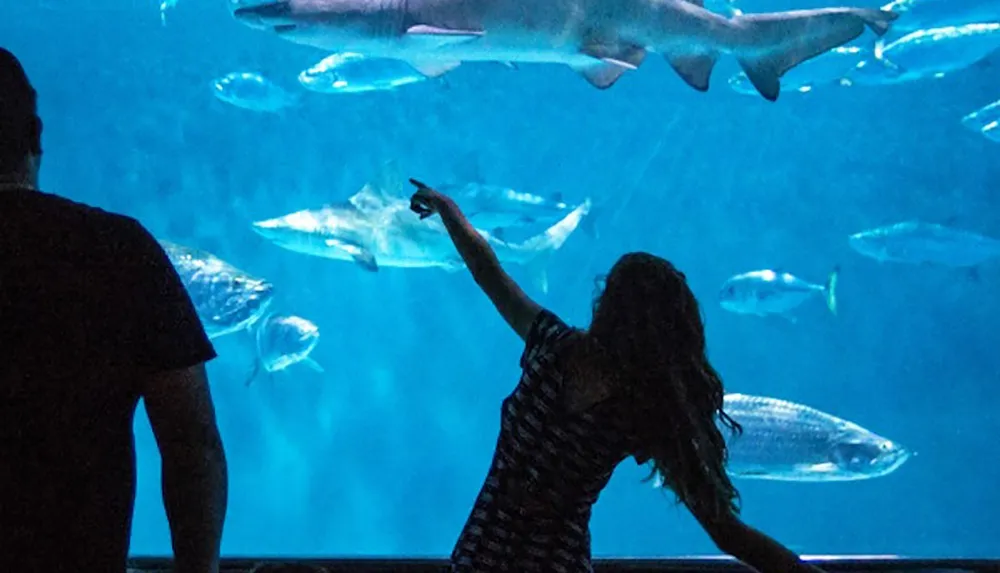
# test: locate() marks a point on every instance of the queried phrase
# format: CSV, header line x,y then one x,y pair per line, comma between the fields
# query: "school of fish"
x,y
369,50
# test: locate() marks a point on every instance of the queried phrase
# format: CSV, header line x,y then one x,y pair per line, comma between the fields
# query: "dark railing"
x,y
846,564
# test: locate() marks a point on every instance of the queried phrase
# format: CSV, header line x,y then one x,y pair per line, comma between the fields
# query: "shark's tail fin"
x,y
539,248
780,41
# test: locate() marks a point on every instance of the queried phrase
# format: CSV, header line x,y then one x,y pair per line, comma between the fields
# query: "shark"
x,y
376,229
599,39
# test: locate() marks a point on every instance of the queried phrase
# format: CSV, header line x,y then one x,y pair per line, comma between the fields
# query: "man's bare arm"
x,y
194,472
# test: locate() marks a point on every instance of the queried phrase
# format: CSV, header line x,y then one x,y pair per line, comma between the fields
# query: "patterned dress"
x,y
550,465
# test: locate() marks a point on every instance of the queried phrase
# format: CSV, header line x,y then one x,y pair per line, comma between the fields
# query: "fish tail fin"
x,y
388,179
540,247
774,43
554,237
831,290
589,223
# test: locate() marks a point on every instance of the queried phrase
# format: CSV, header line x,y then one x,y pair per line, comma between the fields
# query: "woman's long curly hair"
x,y
648,324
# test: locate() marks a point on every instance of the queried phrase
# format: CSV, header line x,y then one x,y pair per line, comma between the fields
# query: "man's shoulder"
x,y
94,224
92,213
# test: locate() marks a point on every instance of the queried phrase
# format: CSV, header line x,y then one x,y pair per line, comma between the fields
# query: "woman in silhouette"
x,y
635,383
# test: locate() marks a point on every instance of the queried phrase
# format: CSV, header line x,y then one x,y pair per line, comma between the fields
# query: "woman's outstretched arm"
x,y
510,301
753,547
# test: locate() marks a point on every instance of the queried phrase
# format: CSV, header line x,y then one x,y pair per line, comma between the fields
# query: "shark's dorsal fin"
x,y
698,3
389,181
368,199
385,188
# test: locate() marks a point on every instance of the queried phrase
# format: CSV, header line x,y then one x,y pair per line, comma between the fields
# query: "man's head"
x,y
20,126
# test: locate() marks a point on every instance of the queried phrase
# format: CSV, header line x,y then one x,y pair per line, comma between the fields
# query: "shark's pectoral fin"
x,y
315,366
362,256
601,75
610,62
434,69
694,69
623,55
434,37
366,260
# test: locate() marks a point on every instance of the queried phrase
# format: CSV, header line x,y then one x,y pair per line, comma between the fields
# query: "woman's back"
x,y
556,451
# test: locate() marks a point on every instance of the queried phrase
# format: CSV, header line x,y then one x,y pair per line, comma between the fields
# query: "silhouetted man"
x,y
92,317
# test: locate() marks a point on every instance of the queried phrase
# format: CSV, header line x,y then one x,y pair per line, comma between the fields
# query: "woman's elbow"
x,y
727,533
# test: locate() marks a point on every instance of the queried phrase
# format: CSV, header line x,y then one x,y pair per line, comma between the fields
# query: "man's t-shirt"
x,y
89,305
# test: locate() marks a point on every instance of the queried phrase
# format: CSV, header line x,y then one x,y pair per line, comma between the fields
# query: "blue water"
x,y
385,452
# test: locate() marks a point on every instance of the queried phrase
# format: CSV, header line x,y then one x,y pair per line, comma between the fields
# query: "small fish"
x,y
282,341
226,298
918,243
350,73
786,441
828,69
374,229
252,92
986,121
931,53
768,292
923,14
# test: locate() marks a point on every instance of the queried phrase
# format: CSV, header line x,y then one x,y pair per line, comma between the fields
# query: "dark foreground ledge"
x,y
845,564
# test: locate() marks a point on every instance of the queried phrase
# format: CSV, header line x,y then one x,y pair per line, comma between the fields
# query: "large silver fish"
x,y
919,243
600,39
283,341
931,53
786,441
770,291
922,14
373,229
226,298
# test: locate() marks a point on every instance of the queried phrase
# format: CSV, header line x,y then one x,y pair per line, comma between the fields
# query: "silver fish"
x,y
226,298
786,441
435,36
923,14
348,73
924,54
373,229
252,92
986,121
767,291
499,208
283,341
915,242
